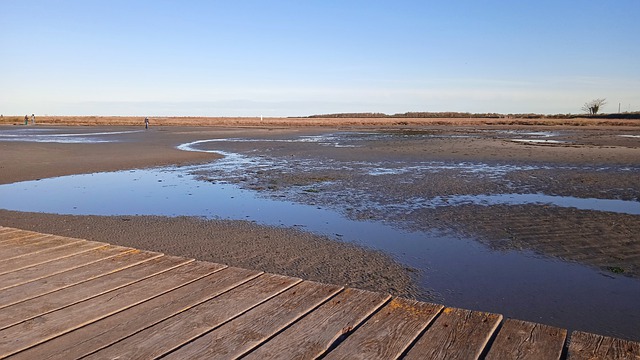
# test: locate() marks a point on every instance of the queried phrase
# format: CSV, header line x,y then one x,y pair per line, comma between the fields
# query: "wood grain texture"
x,y
27,237
53,255
314,334
242,334
40,271
8,233
174,332
20,237
583,346
389,332
58,322
95,336
41,305
526,340
456,334
64,298
73,277
36,245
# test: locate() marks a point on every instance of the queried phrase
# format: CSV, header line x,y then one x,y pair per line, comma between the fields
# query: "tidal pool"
x,y
36,134
460,271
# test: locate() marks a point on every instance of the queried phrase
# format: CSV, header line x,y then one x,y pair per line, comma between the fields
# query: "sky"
x,y
299,58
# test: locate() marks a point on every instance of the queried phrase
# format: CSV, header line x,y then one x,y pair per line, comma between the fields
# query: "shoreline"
x,y
239,243
581,162
288,122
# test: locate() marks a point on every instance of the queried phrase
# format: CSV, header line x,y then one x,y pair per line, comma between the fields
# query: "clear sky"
x,y
297,57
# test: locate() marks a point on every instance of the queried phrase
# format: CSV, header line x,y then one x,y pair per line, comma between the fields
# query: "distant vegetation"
x,y
457,115
593,107
347,119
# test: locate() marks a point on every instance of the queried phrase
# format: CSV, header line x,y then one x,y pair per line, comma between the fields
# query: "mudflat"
x,y
236,243
456,167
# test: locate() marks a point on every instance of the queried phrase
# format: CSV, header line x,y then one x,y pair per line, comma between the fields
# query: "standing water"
x,y
460,271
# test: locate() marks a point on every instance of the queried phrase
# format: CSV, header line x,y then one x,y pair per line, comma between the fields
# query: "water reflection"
x,y
463,272
57,136
610,205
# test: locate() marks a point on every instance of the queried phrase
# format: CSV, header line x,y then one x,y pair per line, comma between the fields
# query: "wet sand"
x,y
585,163
604,240
237,243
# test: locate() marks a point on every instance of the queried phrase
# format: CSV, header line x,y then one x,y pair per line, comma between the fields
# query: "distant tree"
x,y
592,107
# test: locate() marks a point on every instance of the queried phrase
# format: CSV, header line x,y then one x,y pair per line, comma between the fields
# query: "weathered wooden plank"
x,y
314,334
28,309
100,334
7,233
242,334
186,312
25,237
389,332
456,334
72,277
186,326
88,253
585,346
18,236
48,326
519,339
47,242
21,237
52,255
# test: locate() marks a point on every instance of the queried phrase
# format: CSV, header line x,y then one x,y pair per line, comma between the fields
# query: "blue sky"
x,y
292,58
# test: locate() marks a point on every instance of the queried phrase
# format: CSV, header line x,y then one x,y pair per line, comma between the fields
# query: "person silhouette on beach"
x,y
33,119
26,119
146,122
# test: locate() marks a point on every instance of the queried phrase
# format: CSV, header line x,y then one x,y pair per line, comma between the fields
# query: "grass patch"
x,y
615,269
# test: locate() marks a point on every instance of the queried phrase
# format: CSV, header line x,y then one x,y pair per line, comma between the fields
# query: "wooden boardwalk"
x,y
64,298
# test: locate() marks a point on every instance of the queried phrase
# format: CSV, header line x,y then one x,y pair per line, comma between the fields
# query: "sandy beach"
x,y
589,161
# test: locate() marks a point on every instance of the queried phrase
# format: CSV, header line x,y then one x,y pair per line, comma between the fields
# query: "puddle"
x,y
371,168
529,133
532,137
539,141
53,136
463,272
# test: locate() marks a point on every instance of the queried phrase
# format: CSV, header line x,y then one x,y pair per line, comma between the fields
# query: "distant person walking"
x,y
26,119
33,119
146,122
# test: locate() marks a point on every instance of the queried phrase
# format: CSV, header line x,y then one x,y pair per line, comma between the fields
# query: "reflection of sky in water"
x,y
233,161
528,133
462,272
539,141
50,136
371,168
610,205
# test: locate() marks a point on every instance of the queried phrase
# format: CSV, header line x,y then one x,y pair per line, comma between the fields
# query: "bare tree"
x,y
592,107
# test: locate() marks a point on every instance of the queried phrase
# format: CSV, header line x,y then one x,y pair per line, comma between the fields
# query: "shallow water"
x,y
609,205
539,141
460,271
36,134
